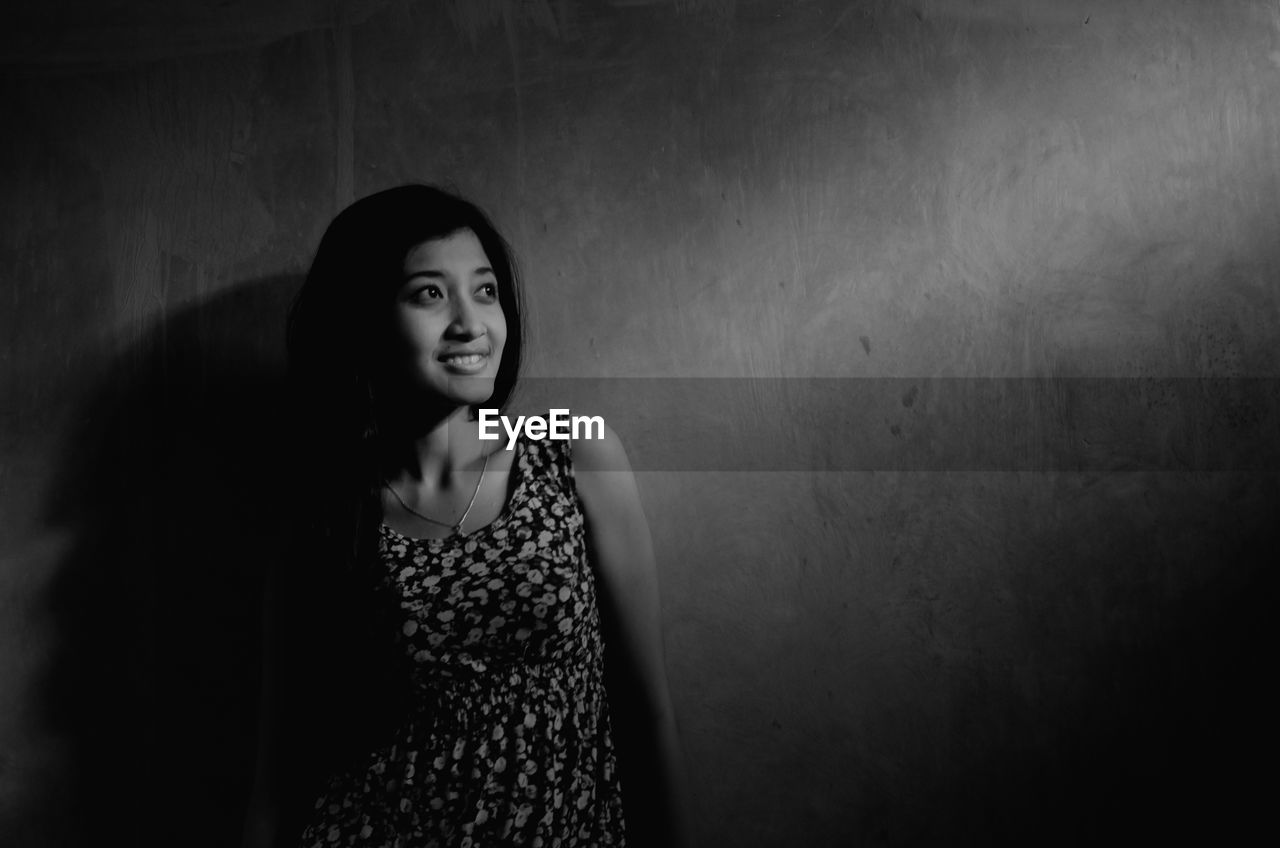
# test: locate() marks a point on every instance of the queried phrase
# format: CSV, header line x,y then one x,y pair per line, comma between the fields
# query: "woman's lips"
x,y
465,363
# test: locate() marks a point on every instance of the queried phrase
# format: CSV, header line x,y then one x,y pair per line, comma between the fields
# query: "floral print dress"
x,y
508,741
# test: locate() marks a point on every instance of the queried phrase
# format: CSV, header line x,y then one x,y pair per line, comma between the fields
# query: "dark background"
x,y
970,542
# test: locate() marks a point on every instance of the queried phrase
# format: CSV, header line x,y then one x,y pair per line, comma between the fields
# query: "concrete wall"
x,y
965,544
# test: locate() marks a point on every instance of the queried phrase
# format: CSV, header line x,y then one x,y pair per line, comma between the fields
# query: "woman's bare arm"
x,y
621,549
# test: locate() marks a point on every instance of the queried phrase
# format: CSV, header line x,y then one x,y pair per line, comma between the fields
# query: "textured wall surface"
x,y
964,543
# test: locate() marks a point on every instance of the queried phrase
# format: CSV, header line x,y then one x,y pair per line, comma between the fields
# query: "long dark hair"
x,y
338,686
333,339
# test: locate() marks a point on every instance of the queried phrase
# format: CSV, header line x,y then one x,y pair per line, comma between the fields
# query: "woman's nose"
x,y
466,321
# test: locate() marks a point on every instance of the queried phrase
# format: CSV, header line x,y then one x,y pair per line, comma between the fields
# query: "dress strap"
x,y
552,457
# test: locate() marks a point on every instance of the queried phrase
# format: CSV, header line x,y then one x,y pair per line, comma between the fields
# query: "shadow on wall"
x,y
170,487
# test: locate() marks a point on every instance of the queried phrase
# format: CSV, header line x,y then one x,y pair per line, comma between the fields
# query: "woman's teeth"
x,y
468,359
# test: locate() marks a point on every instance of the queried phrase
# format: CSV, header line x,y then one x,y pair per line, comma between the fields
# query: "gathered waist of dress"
x,y
472,671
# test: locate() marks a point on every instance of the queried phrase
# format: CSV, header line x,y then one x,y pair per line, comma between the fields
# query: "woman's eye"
x,y
489,290
428,293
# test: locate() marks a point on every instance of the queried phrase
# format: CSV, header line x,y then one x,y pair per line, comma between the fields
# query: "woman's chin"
x,y
468,391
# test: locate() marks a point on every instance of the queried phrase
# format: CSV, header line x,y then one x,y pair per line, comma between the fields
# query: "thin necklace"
x,y
453,528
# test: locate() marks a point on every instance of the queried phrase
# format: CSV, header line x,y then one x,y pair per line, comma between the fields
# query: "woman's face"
x,y
447,325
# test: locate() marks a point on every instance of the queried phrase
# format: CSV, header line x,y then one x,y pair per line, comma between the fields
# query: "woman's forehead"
x,y
458,251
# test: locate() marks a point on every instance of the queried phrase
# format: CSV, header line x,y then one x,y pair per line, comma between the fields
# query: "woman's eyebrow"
x,y
430,274
433,274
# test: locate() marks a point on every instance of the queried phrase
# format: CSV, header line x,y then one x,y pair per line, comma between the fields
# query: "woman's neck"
x,y
434,450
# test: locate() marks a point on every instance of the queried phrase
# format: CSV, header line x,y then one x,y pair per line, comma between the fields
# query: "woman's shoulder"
x,y
610,497
599,449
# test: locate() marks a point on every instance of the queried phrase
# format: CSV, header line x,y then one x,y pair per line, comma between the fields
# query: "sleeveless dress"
x,y
508,741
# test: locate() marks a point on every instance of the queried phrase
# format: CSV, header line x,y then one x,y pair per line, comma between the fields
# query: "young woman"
x,y
453,605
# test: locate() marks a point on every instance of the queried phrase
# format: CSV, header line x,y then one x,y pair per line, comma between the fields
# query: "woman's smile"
x,y
465,363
